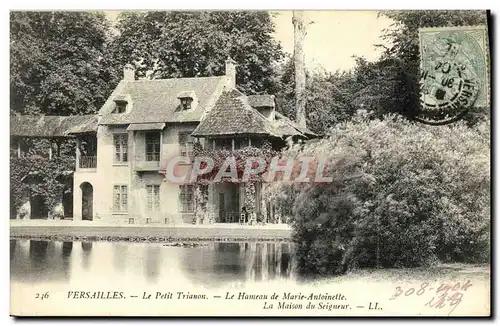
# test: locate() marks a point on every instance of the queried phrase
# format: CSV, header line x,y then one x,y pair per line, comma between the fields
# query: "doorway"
x,y
87,201
222,207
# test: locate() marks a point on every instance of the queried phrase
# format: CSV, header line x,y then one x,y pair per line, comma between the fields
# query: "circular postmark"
x,y
449,83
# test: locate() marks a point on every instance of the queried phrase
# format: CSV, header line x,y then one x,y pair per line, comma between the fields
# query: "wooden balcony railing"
x,y
88,162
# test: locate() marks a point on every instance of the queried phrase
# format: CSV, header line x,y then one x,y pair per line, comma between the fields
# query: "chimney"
x,y
129,72
231,72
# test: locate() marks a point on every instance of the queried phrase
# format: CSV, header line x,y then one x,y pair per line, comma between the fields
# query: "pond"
x,y
213,264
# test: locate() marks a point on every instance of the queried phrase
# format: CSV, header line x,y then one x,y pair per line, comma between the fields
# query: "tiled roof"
x,y
288,126
186,94
156,100
51,126
121,97
146,126
261,100
233,115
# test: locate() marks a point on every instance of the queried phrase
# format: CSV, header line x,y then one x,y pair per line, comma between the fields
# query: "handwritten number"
x,y
407,293
422,288
397,294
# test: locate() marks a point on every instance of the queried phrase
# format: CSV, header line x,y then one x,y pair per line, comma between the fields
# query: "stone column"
x,y
263,202
78,153
77,200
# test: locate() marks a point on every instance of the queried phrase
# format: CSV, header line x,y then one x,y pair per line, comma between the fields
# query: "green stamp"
x,y
454,72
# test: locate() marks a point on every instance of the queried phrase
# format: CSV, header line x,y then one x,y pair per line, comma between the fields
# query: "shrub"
x,y
403,195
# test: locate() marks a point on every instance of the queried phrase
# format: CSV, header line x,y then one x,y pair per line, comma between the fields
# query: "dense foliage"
x,y
172,44
59,63
402,195
38,176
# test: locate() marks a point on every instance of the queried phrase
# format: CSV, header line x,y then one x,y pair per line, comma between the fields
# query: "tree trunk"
x,y
299,33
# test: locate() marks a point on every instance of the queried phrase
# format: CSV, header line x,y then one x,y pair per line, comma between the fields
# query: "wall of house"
x,y
103,178
109,173
169,192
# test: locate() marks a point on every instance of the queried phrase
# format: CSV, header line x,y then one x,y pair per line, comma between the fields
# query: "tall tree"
x,y
394,79
299,34
329,97
169,44
58,62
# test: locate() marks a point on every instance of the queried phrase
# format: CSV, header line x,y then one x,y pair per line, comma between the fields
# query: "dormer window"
x,y
187,100
186,103
122,104
120,107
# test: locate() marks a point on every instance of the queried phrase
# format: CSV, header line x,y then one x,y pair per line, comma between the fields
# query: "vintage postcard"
x,y
250,163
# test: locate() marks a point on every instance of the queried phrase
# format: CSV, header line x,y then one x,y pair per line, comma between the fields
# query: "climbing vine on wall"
x,y
38,176
265,152
250,196
201,203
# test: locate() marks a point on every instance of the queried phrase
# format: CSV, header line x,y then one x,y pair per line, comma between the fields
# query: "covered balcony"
x,y
86,152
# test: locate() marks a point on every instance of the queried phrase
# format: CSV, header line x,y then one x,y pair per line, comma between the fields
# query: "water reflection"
x,y
215,264
12,248
87,250
36,261
152,263
66,249
119,252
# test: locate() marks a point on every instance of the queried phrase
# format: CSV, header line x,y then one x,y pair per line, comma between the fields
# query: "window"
x,y
186,199
186,144
120,198
120,107
121,146
153,146
186,103
153,198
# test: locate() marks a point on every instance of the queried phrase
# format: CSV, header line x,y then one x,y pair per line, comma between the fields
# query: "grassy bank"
x,y
438,272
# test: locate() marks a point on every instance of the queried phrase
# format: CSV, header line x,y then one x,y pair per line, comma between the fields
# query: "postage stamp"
x,y
180,164
454,71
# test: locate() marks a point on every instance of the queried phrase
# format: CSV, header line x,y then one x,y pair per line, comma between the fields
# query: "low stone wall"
x,y
149,234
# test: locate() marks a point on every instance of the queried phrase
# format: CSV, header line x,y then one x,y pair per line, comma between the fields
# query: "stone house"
x,y
119,175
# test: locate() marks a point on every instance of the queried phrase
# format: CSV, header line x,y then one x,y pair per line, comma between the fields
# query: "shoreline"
x,y
149,233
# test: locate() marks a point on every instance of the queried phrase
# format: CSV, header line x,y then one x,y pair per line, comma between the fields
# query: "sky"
x,y
333,37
